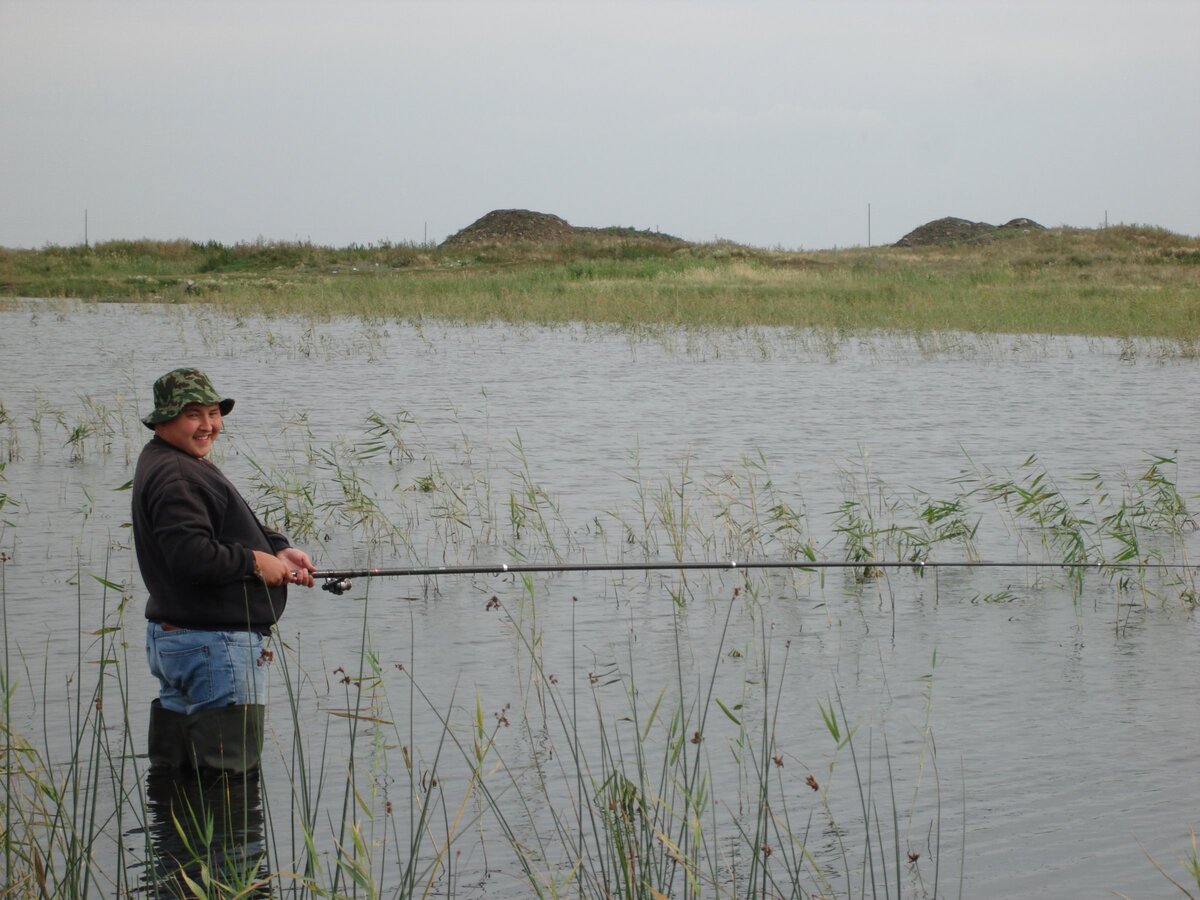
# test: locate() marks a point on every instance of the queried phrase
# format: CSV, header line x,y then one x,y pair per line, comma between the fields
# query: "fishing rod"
x,y
338,581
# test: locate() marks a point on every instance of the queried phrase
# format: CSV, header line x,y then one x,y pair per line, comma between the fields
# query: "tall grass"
x,y
55,827
643,814
1125,281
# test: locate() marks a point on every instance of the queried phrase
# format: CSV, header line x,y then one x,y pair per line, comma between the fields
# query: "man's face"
x,y
194,429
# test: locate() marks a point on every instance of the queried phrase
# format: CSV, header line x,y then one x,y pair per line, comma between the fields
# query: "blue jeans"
x,y
204,669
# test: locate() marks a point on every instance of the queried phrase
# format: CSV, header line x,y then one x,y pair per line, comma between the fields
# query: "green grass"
x,y
1125,281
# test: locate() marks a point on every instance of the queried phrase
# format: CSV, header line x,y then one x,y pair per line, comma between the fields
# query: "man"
x,y
217,582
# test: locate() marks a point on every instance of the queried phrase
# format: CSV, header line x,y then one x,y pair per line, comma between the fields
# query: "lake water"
x,y
1030,736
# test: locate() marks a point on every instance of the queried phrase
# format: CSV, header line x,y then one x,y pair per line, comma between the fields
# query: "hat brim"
x,y
167,413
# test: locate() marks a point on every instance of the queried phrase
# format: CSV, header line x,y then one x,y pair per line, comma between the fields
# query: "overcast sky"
x,y
767,123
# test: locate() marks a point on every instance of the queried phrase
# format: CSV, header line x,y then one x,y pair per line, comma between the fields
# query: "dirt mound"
x,y
504,226
1023,224
951,230
512,226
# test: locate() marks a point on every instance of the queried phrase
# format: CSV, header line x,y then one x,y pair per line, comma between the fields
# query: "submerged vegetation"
x,y
1124,281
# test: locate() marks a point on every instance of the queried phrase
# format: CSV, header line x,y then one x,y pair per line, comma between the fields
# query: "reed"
x,y
643,814
381,782
10,449
53,822
533,514
1145,521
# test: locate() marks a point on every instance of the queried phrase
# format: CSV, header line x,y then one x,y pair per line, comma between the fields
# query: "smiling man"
x,y
217,582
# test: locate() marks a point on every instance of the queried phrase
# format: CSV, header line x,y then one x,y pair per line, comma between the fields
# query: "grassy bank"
x,y
1115,282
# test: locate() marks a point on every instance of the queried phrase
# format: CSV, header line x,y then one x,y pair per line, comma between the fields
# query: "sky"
x,y
798,125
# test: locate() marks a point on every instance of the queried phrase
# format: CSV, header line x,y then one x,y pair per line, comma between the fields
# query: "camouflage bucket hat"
x,y
178,388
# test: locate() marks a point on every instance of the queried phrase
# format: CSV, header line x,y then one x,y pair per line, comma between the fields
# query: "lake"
x,y
1013,731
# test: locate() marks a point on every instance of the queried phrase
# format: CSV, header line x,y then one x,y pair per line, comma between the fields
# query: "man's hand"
x,y
290,566
300,567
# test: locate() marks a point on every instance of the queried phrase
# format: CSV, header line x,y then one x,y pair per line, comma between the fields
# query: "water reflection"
x,y
205,827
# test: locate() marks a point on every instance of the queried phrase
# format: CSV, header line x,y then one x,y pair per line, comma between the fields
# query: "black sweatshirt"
x,y
195,537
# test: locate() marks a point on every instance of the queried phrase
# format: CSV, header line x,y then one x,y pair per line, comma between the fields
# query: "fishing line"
x,y
338,581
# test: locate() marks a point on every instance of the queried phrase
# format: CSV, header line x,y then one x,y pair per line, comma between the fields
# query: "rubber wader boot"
x,y
226,738
168,738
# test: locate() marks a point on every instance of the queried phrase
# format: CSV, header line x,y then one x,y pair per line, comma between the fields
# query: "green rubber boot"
x,y
167,743
226,738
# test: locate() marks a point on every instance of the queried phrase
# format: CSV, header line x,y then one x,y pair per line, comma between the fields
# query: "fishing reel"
x,y
337,586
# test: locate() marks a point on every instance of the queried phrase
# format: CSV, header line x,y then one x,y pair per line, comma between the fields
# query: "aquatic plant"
x,y
532,511
1124,534
52,818
12,440
600,778
642,814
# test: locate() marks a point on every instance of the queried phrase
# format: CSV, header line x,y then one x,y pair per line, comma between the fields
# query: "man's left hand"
x,y
300,566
